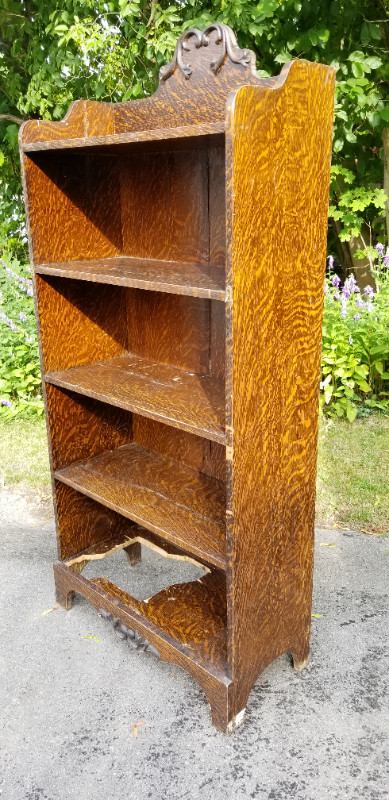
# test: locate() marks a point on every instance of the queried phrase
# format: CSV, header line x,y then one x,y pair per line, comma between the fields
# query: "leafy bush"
x,y
355,355
20,382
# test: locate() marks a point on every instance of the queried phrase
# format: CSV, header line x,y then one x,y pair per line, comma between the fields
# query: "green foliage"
x,y
20,382
55,52
355,355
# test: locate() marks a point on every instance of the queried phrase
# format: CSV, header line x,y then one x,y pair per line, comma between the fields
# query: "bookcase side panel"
x,y
279,152
79,322
74,206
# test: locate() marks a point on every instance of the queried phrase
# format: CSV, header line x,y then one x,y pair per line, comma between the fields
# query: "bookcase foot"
x,y
64,598
133,553
300,660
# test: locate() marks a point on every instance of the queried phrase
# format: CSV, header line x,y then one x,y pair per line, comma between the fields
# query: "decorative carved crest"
x,y
225,38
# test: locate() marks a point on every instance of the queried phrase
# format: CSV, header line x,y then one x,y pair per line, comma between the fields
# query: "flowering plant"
x,y
355,354
20,382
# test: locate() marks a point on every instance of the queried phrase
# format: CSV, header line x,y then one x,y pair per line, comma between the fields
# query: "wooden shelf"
x,y
190,617
195,280
178,503
198,135
182,399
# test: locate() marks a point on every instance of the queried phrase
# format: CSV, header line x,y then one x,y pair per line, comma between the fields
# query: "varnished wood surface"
x,y
179,101
172,178
74,207
207,130
279,151
79,322
133,536
83,523
194,403
166,497
183,622
195,280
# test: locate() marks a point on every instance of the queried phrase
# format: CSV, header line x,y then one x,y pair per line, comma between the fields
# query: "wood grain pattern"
x,y
193,451
81,427
189,616
133,537
170,329
178,102
164,205
181,136
83,523
93,322
159,493
279,151
175,277
168,408
70,218
194,403
202,660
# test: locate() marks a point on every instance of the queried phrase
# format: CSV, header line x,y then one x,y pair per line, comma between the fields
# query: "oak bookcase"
x,y
178,250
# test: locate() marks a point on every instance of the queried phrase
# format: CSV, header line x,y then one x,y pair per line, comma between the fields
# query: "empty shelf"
x,y
196,280
174,501
182,399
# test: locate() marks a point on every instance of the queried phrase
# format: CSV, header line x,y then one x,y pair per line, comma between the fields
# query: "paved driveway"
x,y
69,703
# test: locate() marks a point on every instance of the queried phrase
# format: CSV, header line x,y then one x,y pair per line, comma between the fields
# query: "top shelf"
x,y
185,135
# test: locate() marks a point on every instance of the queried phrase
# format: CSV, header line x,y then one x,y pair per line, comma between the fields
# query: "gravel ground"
x,y
69,703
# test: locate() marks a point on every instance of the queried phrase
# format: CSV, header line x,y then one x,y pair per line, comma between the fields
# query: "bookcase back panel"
x,y
164,200
74,206
173,329
80,322
194,451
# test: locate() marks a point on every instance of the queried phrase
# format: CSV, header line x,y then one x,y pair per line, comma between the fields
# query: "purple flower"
x,y
29,339
359,303
5,402
29,291
23,317
369,292
8,322
350,338
330,262
379,247
351,282
325,287
346,292
369,306
386,260
357,317
336,281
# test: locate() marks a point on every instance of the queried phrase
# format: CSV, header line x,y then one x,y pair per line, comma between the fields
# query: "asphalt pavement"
x,y
86,717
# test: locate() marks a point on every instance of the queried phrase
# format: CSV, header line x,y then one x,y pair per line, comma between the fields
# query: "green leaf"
x,y
384,114
351,412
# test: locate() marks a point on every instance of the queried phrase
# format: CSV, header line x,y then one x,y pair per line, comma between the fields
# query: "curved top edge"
x,y
207,69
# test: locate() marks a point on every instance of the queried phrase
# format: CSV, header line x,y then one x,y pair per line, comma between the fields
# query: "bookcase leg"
x,y
133,553
300,659
64,598
219,696
63,594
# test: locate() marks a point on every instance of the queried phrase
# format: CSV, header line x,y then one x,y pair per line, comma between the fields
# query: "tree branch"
x,y
11,118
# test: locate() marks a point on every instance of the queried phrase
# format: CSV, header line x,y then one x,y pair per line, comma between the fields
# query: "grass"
x,y
353,470
23,454
352,481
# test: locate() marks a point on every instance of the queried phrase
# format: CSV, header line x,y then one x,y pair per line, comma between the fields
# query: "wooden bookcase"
x,y
178,249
